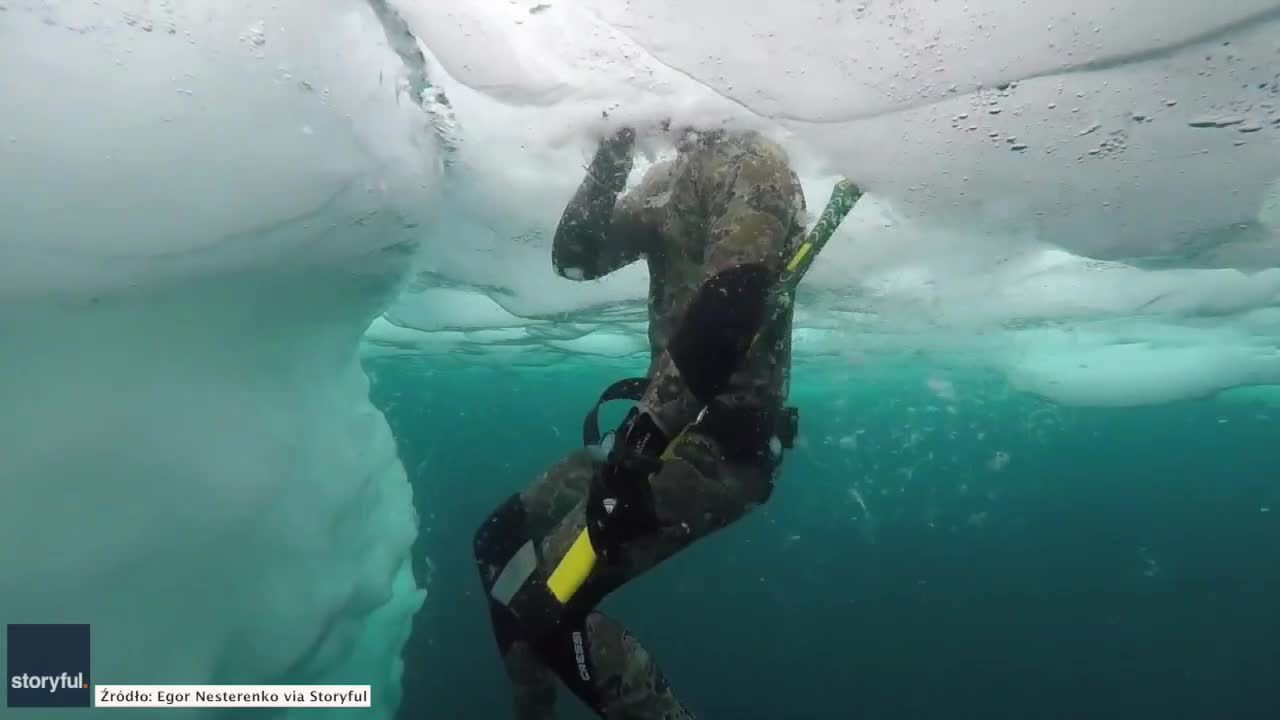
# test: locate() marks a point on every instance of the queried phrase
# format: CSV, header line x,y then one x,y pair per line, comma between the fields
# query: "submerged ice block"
x,y
204,207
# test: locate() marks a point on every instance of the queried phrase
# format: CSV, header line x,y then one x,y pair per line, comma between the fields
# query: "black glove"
x,y
620,501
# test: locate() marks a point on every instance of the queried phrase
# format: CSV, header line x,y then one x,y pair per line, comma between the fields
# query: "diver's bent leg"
x,y
695,494
554,493
503,550
500,543
604,665
632,685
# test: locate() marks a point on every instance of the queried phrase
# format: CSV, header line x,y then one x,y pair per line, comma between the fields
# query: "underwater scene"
x,y
938,546
399,360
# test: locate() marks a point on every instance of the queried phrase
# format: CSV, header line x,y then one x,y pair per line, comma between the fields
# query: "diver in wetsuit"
x,y
704,441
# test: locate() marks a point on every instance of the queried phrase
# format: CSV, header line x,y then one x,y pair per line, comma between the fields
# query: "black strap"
x,y
626,389
783,424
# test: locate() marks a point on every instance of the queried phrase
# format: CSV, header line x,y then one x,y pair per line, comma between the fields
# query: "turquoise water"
x,y
938,546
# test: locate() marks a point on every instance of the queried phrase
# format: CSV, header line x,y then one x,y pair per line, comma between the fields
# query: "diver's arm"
x,y
597,234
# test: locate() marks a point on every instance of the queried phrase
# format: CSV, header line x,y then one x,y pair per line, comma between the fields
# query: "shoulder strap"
x,y
625,389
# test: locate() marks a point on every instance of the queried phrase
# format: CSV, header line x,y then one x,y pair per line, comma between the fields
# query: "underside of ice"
x,y
1044,198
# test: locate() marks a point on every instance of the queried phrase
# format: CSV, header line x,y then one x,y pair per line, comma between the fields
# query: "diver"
x,y
703,443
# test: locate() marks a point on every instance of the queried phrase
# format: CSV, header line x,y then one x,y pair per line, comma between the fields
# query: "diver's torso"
x,y
685,195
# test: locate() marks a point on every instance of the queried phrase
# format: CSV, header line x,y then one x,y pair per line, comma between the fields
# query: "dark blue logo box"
x,y
48,666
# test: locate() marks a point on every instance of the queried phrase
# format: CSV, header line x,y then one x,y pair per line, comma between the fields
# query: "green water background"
x,y
1112,563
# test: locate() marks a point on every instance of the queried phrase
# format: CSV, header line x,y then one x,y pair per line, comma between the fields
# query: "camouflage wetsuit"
x,y
726,199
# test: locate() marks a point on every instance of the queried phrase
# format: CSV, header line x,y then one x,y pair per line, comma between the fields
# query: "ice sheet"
x,y
1026,165
204,206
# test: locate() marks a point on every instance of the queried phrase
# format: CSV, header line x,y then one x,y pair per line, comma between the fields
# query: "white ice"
x,y
204,204
1043,197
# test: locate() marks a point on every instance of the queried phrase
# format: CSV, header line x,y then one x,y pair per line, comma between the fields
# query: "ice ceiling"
x,y
1070,194
1079,195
